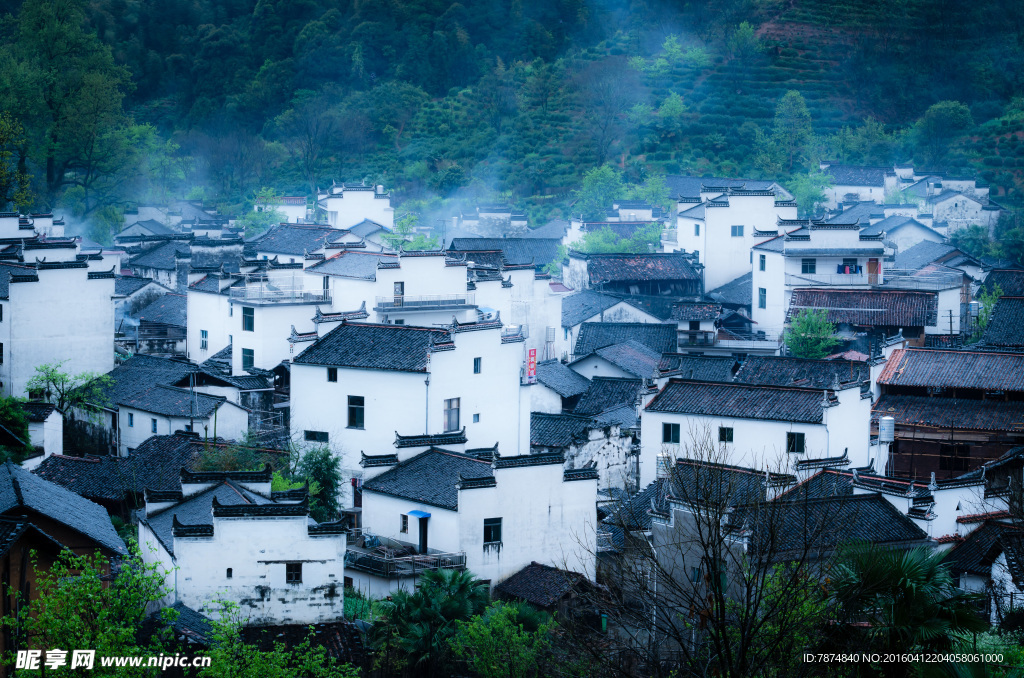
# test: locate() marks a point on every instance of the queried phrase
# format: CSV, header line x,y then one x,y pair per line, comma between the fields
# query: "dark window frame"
x,y
762,297
670,433
451,414
809,266
356,412
248,358
293,573
478,364
492,531
761,261
726,434
316,436
248,318
796,442
332,374
403,526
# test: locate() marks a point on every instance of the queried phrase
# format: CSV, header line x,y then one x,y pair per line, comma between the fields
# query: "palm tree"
x,y
900,601
416,627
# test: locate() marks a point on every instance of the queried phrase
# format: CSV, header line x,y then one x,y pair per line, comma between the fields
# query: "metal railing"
x,y
921,280
386,566
275,294
838,279
425,302
696,338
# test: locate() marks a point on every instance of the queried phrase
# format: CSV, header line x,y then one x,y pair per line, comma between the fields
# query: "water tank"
x,y
886,429
549,334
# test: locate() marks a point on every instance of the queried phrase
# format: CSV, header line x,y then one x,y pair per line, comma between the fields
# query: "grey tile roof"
x,y
37,411
517,251
11,530
20,490
943,368
860,213
1006,326
690,186
735,292
430,478
554,229
169,309
739,400
294,239
155,465
558,430
605,268
975,554
140,373
921,254
366,227
584,305
950,413
378,347
697,367
160,256
893,224
623,415
632,357
660,338
874,307
170,401
125,285
857,175
786,371
540,585
605,393
1010,282
198,509
561,379
684,311
353,264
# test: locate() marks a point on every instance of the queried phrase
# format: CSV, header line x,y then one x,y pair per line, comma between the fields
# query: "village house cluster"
x,y
490,416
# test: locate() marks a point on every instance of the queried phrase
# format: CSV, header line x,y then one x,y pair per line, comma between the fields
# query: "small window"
x,y
229,573
1,354
737,231
231,311
476,365
316,436
204,340
725,434
451,414
152,425
762,297
1,313
131,420
696,229
404,527
356,411
332,374
248,358
809,266
476,418
849,266
761,260
248,319
492,530
293,573
694,325
670,433
694,575
400,322
795,443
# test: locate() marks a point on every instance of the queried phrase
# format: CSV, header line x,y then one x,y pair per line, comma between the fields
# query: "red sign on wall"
x,y
531,367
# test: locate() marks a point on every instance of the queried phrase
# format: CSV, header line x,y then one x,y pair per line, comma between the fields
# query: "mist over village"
x,y
412,338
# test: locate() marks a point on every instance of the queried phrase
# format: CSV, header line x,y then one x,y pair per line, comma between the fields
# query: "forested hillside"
x,y
111,102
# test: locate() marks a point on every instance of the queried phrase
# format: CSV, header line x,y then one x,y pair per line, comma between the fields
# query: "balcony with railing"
x,y
431,302
929,280
392,559
832,279
269,293
669,235
696,338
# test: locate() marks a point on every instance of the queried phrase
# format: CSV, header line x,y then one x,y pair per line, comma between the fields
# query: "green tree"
x,y
14,419
744,44
809,191
810,334
986,304
14,179
671,113
974,240
901,601
792,130
601,186
232,657
256,221
416,628
940,124
79,605
321,467
497,644
86,390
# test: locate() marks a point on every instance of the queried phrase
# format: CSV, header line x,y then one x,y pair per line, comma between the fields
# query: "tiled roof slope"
x,y
1006,326
603,268
161,256
632,357
857,175
696,311
735,292
37,411
198,509
785,371
517,251
129,284
889,308
353,264
697,367
920,255
954,369
430,477
173,402
154,465
974,555
950,413
295,239
605,393
561,379
20,490
739,400
690,186
660,338
1010,282
584,305
170,309
540,585
375,347
558,430
142,372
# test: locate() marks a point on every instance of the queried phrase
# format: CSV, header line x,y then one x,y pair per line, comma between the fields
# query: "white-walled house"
x,y
54,312
348,204
491,515
162,410
358,385
858,183
225,536
45,431
755,426
723,223
293,207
